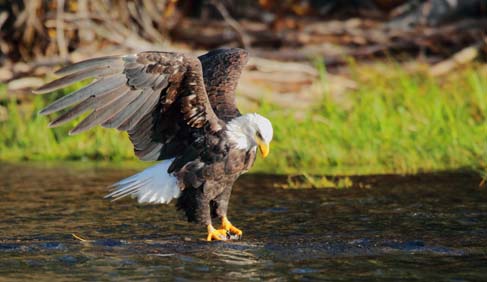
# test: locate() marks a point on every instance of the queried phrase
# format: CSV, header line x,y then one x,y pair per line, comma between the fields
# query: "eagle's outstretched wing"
x,y
159,98
221,72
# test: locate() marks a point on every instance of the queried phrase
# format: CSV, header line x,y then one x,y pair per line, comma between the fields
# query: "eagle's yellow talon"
x,y
227,225
216,234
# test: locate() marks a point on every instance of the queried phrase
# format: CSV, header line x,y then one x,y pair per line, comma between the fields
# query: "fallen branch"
x,y
244,39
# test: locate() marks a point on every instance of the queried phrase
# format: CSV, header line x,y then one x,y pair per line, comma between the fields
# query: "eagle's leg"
x,y
196,205
205,216
219,209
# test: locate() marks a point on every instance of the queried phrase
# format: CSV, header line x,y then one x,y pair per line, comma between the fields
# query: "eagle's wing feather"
x,y
221,71
157,97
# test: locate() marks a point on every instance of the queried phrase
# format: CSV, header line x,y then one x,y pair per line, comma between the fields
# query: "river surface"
x,y
421,228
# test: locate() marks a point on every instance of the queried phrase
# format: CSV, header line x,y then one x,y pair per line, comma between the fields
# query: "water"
x,y
424,228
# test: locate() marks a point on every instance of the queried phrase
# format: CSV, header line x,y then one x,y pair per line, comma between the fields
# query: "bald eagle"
x,y
179,110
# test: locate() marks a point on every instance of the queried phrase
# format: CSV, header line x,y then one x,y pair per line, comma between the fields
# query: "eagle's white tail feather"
x,y
153,185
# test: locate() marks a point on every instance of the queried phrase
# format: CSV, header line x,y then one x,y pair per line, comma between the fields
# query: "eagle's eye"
x,y
259,135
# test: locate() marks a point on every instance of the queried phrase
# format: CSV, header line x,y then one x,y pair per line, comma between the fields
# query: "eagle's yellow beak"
x,y
264,148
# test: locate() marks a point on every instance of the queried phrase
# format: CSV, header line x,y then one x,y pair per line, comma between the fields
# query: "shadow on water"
x,y
430,227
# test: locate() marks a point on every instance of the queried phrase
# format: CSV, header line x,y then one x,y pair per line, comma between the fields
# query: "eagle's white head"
x,y
250,131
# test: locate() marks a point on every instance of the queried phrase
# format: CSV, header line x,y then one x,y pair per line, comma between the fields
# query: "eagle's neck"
x,y
241,131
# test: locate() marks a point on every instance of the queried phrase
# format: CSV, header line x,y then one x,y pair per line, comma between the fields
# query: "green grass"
x,y
394,122
26,136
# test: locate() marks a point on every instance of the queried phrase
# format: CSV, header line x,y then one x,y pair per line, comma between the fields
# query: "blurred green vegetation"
x,y
26,136
396,121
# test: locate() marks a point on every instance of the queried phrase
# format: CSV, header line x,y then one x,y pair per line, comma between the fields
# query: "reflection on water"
x,y
431,227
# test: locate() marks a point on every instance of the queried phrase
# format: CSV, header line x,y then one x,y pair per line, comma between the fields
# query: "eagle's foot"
x,y
228,226
217,234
